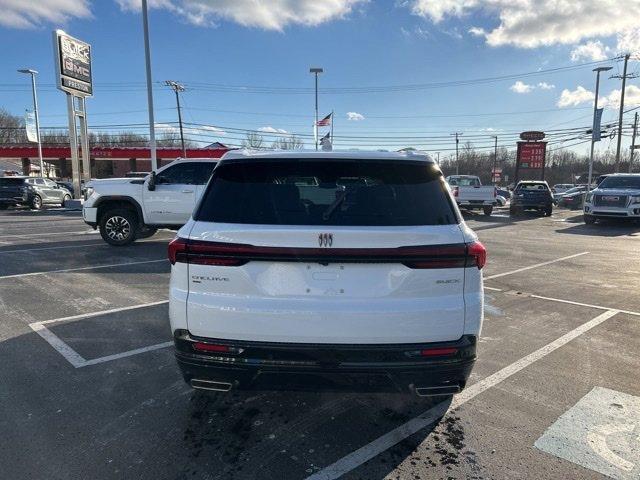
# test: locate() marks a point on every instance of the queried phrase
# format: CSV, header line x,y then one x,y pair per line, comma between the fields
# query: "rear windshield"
x,y
312,192
621,182
464,181
532,186
11,182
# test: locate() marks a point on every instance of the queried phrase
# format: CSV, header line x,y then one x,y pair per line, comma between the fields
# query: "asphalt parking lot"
x,y
89,387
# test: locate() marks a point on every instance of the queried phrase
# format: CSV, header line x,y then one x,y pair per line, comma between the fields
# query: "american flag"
x,y
325,122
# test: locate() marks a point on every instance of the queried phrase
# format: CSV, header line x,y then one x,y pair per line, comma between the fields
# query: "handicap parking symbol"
x,y
601,432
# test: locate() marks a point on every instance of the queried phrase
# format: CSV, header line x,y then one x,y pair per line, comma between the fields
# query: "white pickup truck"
x,y
125,209
470,194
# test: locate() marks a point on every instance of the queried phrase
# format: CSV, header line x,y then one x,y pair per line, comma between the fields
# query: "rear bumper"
x,y
527,205
315,367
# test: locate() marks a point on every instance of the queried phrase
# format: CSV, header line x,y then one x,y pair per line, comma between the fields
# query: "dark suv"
x,y
532,195
31,191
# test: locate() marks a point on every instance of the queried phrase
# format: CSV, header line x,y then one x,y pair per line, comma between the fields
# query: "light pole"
x,y
147,58
457,135
598,70
495,158
316,71
33,74
176,87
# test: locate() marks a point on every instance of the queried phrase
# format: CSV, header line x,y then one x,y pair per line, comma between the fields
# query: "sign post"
x,y
73,76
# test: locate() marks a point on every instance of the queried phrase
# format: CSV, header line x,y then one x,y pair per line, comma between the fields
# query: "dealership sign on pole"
x,y
531,156
73,76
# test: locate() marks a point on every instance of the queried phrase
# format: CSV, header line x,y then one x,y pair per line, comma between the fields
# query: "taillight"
x,y
177,247
200,252
215,348
478,254
182,250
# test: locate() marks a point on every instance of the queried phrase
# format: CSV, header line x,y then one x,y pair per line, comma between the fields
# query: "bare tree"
x,y
292,142
253,140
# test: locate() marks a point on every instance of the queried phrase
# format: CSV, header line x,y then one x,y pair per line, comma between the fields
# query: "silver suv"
x,y
47,192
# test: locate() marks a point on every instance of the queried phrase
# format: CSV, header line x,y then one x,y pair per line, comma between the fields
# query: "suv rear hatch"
x,y
12,189
326,251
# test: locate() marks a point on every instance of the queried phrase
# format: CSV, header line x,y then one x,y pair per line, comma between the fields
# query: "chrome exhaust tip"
x,y
440,390
200,384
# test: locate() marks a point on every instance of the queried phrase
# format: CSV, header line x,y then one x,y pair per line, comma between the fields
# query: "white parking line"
x,y
48,248
29,235
73,357
30,274
535,266
389,439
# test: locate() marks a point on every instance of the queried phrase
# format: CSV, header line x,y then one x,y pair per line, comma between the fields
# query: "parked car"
x,y
323,270
532,195
128,208
67,185
504,192
560,188
470,194
557,197
617,196
31,191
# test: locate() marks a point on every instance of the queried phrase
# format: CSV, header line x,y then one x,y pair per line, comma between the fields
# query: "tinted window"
x,y
465,181
11,182
532,186
621,182
312,192
39,181
189,173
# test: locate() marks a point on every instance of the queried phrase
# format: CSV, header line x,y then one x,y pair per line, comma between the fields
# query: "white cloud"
x,y
201,130
270,129
546,86
631,98
572,98
534,23
270,15
593,51
355,116
629,41
521,87
30,13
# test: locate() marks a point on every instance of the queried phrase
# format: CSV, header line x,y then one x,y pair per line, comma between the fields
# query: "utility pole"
x,y
316,71
177,88
147,59
633,142
457,134
495,158
624,77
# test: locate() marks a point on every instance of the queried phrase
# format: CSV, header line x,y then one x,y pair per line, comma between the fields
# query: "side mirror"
x,y
151,185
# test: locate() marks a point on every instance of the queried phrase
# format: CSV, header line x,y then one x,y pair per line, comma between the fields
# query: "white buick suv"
x,y
326,270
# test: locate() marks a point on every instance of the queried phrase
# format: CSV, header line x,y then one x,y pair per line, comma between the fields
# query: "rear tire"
x,y
119,227
65,199
36,203
146,232
589,219
488,210
548,211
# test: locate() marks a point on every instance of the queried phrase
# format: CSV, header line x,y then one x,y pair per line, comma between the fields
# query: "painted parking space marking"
x,y
78,269
391,438
601,432
71,232
73,357
530,267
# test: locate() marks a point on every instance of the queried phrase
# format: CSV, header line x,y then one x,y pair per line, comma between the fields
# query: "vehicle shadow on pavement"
x,y
293,434
603,228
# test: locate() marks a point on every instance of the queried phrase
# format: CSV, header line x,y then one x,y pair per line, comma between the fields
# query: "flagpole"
x,y
316,71
332,120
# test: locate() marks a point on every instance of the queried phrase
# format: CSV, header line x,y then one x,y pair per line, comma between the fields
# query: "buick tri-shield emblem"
x,y
325,239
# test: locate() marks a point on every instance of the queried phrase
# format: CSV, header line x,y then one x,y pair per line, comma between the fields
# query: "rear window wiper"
x,y
336,203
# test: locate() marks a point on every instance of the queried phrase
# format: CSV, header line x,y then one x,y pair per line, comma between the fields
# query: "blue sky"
x,y
358,43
